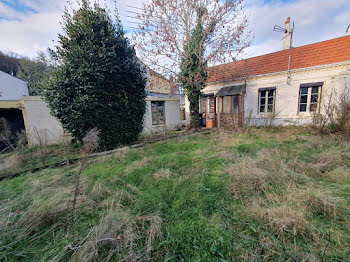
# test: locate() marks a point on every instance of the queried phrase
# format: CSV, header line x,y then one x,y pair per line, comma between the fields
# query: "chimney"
x,y
287,39
348,30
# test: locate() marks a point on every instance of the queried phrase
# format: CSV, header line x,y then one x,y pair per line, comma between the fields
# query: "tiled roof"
x,y
327,52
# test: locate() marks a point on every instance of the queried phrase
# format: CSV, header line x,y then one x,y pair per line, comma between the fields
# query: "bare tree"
x,y
188,35
165,28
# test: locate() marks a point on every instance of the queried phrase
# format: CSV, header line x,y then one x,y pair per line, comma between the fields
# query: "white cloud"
x,y
30,32
315,20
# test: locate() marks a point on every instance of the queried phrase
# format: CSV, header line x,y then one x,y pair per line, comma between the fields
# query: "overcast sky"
x,y
28,26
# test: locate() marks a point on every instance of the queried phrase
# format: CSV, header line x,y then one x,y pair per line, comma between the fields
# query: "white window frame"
x,y
308,101
266,90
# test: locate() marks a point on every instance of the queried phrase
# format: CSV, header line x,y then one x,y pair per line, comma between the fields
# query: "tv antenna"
x,y
287,32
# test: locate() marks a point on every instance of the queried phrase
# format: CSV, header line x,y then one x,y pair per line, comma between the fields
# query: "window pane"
x,y
314,98
302,108
204,105
270,108
270,101
304,90
313,107
303,99
315,90
262,109
211,109
271,93
154,113
227,105
235,104
262,93
158,116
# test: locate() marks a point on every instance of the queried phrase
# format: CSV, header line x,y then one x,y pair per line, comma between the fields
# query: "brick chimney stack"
x,y
287,35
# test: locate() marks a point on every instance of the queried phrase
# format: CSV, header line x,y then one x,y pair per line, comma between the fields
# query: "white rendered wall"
x,y
38,120
172,115
12,88
335,78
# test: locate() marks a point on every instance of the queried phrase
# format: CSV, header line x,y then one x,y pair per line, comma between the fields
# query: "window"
x,y
309,97
235,104
203,105
226,109
267,100
211,108
230,104
158,113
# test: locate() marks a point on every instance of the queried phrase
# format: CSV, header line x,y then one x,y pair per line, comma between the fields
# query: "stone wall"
x,y
230,121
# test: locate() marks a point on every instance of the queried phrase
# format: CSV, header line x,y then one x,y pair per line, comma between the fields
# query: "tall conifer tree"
x,y
99,82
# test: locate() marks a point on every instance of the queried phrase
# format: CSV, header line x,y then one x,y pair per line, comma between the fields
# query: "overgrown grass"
x,y
281,195
29,158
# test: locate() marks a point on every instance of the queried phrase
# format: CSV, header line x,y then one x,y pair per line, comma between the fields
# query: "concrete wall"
x,y
334,77
172,115
39,122
12,88
38,119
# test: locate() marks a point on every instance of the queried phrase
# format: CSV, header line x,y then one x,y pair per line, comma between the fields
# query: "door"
x,y
211,112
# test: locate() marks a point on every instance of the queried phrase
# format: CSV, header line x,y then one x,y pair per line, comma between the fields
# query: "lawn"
x,y
278,195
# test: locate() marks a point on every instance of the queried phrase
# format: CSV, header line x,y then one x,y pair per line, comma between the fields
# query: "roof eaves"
x,y
279,72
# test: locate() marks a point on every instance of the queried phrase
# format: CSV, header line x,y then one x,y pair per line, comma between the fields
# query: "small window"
x,y
309,97
158,113
267,100
227,104
230,104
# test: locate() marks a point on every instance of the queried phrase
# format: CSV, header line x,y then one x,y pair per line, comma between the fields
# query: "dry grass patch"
x,y
164,173
283,219
327,161
315,201
100,191
323,163
130,238
138,164
11,162
339,174
246,179
287,214
46,202
257,176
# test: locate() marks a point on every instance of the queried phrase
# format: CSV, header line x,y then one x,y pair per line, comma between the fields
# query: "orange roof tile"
x,y
327,52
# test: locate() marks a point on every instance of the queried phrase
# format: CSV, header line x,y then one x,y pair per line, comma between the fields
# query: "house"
x,y
24,112
31,113
163,104
286,87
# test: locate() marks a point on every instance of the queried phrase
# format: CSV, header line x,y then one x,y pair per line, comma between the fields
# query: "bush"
x,y
335,116
99,83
